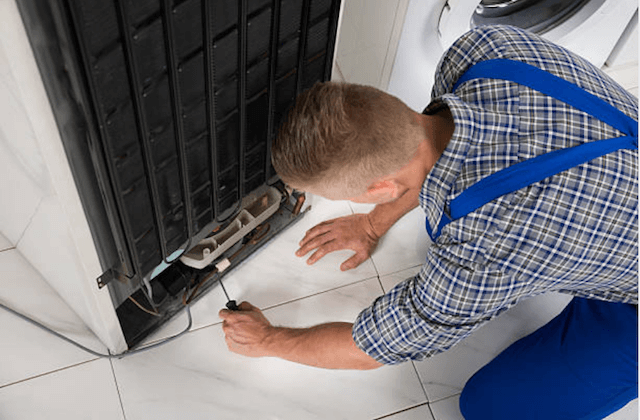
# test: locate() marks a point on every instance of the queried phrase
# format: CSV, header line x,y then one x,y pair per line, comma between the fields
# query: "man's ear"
x,y
385,188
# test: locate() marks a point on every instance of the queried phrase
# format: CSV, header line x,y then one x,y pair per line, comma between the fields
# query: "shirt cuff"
x,y
368,339
391,330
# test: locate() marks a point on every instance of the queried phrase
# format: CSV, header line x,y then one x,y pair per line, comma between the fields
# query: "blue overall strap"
x,y
553,86
536,169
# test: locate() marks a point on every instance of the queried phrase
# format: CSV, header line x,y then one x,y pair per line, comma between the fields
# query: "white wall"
x,y
622,64
367,41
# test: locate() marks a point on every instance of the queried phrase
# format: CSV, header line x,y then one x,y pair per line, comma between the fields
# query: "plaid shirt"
x,y
575,232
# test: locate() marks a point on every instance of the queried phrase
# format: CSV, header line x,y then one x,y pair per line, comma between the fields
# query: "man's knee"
x,y
476,398
491,394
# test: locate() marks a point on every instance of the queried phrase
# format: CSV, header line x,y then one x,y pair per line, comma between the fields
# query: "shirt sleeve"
x,y
428,314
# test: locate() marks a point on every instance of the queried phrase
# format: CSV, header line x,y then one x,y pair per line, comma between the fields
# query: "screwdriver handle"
x,y
232,306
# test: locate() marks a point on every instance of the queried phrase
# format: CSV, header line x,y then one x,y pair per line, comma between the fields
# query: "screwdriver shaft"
x,y
223,289
231,304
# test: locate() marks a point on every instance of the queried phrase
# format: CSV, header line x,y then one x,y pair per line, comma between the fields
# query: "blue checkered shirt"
x,y
575,232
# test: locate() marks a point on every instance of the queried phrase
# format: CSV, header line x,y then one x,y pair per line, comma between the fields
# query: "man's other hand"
x,y
353,232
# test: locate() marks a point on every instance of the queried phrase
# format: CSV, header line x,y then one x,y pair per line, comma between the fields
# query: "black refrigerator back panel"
x,y
187,96
168,108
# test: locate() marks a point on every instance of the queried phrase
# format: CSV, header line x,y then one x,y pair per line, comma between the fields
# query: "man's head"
x,y
342,141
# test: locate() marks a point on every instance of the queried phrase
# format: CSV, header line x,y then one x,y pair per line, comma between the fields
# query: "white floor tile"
x,y
628,412
83,392
419,413
405,244
196,377
361,207
26,350
445,374
338,305
4,243
50,246
447,409
390,280
275,275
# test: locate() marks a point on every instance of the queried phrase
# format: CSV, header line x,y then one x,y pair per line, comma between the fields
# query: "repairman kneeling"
x,y
525,164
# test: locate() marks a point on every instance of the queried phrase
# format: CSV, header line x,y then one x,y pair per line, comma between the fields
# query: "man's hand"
x,y
249,333
353,232
246,331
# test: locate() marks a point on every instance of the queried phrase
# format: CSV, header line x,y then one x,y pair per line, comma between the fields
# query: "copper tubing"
x,y
299,203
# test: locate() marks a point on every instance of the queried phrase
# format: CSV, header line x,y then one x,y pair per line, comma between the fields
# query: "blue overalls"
x,y
584,363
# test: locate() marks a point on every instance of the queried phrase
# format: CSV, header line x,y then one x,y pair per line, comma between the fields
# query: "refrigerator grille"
x,y
186,96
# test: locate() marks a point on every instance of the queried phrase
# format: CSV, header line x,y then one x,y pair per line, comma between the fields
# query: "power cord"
x,y
106,356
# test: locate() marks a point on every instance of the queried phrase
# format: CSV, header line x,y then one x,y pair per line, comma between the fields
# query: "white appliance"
x,y
45,220
598,30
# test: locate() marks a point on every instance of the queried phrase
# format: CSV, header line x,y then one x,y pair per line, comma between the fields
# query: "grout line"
x,y
433,415
400,270
431,403
381,286
424,390
386,416
115,380
351,207
319,293
378,275
446,398
49,373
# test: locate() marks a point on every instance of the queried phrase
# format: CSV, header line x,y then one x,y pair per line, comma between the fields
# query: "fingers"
x,y
226,314
314,243
320,225
336,234
246,306
323,250
318,229
354,261
314,238
320,235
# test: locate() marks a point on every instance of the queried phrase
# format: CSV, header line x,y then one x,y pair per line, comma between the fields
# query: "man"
x,y
571,230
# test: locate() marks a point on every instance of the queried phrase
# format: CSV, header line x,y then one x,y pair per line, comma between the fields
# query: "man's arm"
x,y
328,346
358,232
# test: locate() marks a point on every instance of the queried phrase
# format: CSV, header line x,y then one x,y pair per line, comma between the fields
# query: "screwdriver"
x,y
231,304
256,236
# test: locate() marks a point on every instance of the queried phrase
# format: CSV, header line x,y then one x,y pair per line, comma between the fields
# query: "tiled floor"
x,y
195,377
